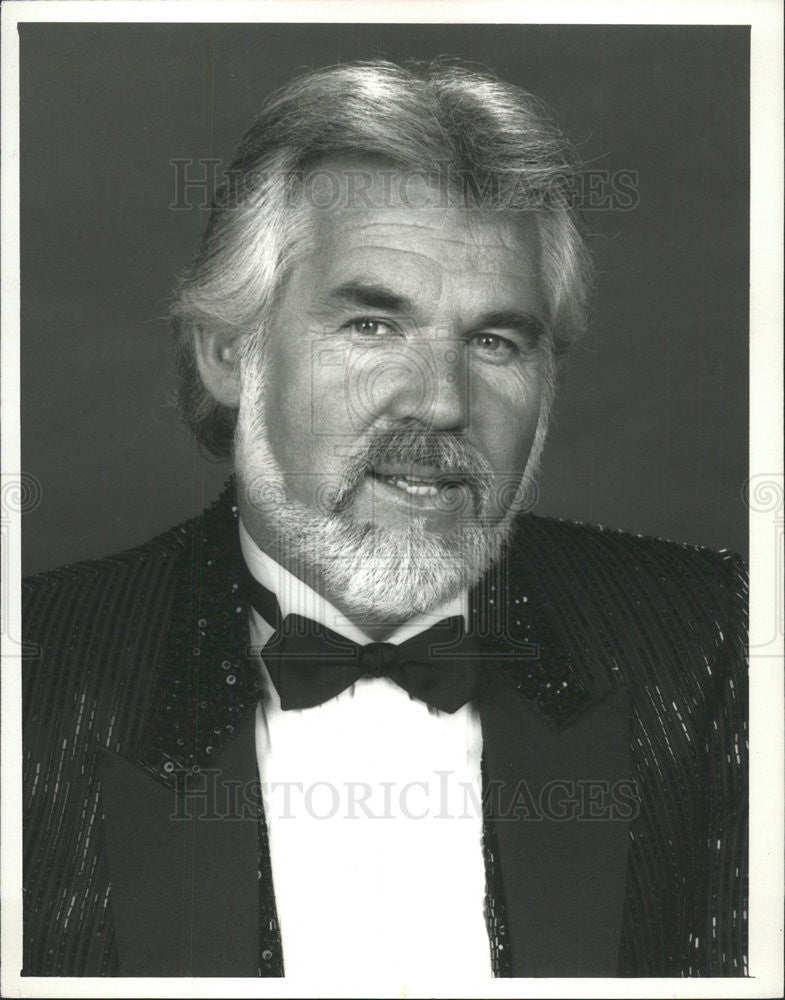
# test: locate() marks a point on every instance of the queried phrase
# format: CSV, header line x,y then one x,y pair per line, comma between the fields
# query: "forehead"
x,y
376,222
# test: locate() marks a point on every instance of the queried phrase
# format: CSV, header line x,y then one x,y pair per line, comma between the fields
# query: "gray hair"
x,y
489,143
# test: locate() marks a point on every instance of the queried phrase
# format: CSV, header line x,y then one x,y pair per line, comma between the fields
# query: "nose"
x,y
432,388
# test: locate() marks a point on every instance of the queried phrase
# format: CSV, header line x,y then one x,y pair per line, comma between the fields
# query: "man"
x,y
367,716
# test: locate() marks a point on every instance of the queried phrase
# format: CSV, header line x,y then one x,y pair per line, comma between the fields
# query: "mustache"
x,y
456,462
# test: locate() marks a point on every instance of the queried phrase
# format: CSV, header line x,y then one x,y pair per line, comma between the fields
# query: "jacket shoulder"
x,y
644,598
168,543
88,584
122,602
593,548
86,587
94,620
94,632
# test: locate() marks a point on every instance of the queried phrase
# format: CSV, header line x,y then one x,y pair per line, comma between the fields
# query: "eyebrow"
x,y
362,295
518,322
365,295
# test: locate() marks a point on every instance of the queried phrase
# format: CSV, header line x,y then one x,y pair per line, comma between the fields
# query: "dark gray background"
x,y
650,431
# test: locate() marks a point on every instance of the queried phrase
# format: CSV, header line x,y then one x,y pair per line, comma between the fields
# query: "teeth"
x,y
413,487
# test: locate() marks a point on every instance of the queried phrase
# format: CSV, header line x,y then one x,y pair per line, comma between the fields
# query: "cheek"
x,y
305,405
506,416
287,403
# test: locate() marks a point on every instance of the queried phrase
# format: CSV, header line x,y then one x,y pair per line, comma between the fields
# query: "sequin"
x,y
600,608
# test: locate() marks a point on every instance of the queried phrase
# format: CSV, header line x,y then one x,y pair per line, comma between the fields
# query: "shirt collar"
x,y
296,597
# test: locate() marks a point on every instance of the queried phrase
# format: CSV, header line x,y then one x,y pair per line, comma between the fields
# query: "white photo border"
x,y
767,516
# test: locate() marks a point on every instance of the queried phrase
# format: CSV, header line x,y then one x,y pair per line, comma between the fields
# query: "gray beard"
x,y
380,574
376,574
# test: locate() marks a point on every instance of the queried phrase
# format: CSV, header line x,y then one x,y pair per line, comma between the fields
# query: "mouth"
x,y
414,487
416,481
425,483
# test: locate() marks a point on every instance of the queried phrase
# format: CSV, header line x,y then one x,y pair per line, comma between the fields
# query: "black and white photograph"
x,y
387,453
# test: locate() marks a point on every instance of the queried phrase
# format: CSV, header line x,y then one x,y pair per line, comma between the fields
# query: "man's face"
x,y
403,371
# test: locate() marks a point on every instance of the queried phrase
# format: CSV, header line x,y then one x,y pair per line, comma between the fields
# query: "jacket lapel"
x,y
182,811
557,766
563,871
185,890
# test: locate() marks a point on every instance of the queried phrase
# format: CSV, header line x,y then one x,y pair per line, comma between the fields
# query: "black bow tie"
x,y
309,663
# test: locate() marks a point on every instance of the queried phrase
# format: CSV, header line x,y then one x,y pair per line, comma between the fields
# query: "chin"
x,y
386,573
397,573
372,571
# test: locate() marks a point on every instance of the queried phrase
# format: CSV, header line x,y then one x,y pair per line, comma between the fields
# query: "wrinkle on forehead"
x,y
470,228
451,249
423,253
422,207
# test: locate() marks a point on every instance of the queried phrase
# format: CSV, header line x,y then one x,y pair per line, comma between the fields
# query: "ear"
x,y
217,357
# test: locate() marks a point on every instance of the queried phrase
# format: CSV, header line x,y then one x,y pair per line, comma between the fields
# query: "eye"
x,y
494,347
367,327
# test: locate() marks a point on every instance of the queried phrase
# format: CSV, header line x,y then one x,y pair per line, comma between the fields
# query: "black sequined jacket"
x,y
614,758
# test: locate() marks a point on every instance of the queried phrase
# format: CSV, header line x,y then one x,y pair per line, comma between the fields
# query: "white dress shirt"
x,y
372,802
